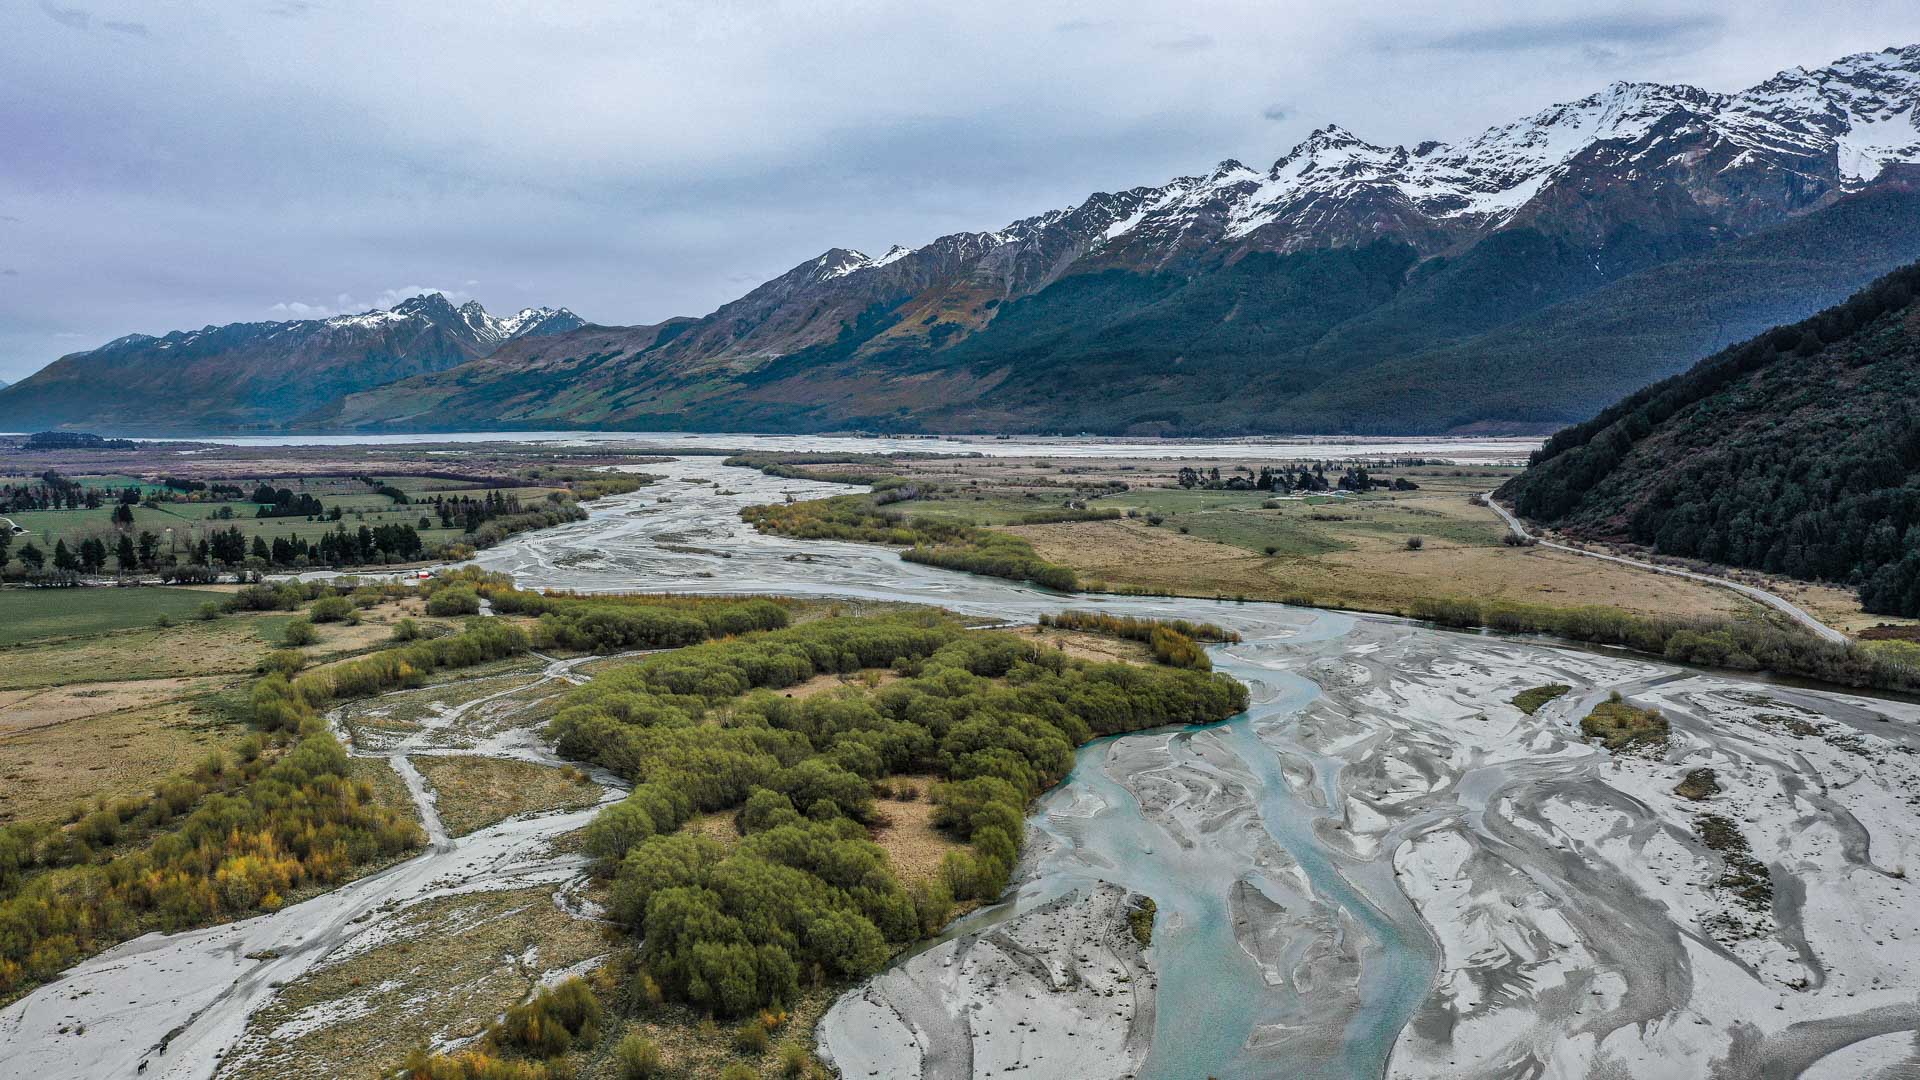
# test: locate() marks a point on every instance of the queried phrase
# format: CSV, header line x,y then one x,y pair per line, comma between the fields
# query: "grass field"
x,y
1350,551
32,614
45,771
99,702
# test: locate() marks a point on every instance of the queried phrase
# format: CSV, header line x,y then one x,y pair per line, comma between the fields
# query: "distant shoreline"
x,y
1504,449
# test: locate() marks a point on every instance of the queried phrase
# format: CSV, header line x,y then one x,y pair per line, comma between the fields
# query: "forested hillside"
x,y
1797,452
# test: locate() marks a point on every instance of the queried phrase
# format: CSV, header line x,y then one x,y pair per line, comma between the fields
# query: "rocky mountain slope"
x,y
1518,280
1797,452
1348,287
251,376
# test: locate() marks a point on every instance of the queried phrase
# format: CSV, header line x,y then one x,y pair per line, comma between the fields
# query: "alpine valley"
x,y
1515,282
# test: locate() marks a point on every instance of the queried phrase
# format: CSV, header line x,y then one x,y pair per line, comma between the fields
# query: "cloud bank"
x,y
176,165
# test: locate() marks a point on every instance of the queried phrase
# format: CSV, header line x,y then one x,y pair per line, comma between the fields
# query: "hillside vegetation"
x,y
1796,453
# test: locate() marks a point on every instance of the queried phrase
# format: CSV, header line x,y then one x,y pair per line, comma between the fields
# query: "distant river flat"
x,y
1464,451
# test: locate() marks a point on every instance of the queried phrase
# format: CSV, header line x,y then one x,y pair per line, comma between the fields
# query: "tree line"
x,y
1740,644
1305,477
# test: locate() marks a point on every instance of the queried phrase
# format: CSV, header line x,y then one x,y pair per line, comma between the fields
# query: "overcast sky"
x,y
168,164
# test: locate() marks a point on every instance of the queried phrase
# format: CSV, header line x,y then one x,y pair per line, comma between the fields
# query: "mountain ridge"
x,y
261,375
1240,300
1571,199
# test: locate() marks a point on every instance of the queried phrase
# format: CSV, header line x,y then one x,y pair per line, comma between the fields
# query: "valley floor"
x,y
1579,923
1384,867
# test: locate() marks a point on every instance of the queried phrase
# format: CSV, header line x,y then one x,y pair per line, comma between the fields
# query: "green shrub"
x,y
282,662
552,1023
795,1060
1529,700
638,1058
1178,650
299,632
805,896
1620,726
447,602
331,609
751,1038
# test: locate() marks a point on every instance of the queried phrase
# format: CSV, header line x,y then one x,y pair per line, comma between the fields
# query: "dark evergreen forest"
x,y
1797,453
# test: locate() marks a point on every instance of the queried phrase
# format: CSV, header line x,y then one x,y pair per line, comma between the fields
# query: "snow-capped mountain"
x,y
264,373
1507,279
525,322
1835,129
1678,166
1296,296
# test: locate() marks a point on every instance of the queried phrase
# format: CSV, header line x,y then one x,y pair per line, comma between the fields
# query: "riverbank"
x,y
1384,868
1411,741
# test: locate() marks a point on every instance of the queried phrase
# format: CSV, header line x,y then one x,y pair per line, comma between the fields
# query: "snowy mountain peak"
x,y
1723,160
835,263
433,304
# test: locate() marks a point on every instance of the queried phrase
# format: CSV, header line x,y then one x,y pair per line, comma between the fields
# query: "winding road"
x,y
1773,600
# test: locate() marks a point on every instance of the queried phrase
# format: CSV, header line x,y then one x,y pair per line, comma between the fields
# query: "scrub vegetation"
x,y
283,811
805,897
1620,726
1740,644
867,519
1529,700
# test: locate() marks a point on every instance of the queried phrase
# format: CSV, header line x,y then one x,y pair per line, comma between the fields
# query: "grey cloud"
x,y
82,19
78,18
1185,43
637,161
1597,32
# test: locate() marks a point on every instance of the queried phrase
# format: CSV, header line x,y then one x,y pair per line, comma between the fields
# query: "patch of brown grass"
x,y
717,826
474,792
905,831
1098,648
229,645
46,770
21,710
870,679
1376,573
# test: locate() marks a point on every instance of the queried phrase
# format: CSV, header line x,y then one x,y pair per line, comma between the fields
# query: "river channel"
x,y
1381,869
